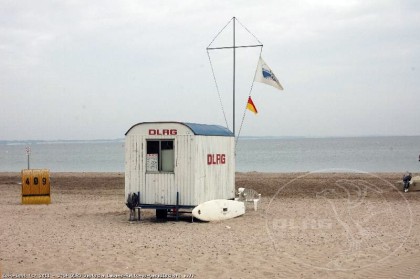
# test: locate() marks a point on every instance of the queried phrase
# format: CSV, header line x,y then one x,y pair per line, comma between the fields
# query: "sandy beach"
x,y
308,225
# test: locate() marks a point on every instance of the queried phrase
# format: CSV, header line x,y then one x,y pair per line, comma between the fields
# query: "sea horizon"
x,y
261,154
104,140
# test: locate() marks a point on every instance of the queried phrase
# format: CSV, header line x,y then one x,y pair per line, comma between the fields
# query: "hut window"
x,y
160,155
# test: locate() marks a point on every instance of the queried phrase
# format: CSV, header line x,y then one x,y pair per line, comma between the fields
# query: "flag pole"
x,y
234,74
234,47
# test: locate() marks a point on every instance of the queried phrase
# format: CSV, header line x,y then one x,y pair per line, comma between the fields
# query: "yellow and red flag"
x,y
250,105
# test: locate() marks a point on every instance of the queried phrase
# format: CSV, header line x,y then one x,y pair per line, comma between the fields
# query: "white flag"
x,y
265,75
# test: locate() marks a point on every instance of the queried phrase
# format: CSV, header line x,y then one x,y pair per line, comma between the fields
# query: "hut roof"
x,y
209,130
197,129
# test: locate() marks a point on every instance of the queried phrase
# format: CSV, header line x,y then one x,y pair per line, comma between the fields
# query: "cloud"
x,y
97,67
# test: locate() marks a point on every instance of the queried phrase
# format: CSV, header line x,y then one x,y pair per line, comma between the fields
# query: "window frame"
x,y
160,158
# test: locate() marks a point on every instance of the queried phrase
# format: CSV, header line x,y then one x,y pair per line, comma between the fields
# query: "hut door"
x,y
160,177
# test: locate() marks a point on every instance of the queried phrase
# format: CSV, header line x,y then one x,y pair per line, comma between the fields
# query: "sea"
x,y
260,154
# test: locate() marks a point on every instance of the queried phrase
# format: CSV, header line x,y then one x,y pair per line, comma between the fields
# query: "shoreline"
x,y
237,172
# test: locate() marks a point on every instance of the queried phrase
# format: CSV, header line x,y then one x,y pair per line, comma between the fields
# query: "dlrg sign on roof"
x,y
166,160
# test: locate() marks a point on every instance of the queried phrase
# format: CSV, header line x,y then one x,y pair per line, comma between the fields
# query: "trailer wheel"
x,y
161,213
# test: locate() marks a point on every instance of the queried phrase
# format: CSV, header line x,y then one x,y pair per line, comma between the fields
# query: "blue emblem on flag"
x,y
267,74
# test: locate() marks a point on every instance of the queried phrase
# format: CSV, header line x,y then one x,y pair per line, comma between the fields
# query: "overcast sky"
x,y
92,69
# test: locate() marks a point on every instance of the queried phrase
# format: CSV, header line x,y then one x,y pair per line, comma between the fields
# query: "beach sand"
x,y
308,225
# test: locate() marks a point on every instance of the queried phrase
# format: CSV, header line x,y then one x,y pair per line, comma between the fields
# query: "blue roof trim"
x,y
209,130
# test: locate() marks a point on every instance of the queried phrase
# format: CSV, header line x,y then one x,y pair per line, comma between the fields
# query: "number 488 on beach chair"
x,y
36,186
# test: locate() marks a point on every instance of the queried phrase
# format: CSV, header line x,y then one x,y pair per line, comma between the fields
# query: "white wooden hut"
x,y
174,164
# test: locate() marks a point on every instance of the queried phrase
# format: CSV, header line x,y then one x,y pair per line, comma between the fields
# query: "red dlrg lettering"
x,y
216,159
163,132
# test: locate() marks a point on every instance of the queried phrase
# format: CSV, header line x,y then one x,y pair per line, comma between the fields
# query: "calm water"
x,y
370,154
